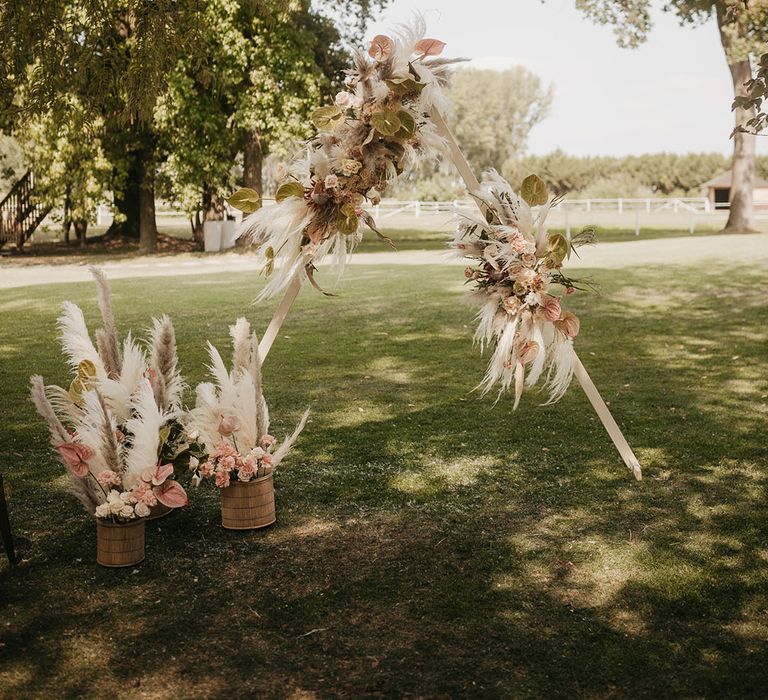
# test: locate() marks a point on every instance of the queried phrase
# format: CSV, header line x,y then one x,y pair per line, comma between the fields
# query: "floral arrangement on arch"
x,y
230,420
115,428
516,270
376,130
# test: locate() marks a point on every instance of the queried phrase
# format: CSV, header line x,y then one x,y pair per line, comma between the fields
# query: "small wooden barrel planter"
x,y
248,505
120,544
158,511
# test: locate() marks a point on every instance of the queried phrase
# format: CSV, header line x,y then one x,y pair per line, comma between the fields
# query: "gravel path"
x,y
730,249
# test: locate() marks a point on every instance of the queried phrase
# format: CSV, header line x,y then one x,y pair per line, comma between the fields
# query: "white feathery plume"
x,y
76,341
537,366
83,488
144,426
241,346
89,430
288,443
118,392
62,403
561,367
205,416
498,367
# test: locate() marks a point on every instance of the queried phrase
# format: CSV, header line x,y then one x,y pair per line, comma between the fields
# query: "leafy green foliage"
x,y
755,99
494,111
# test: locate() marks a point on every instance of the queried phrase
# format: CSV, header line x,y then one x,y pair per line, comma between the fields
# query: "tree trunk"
x,y
67,216
253,157
147,222
81,228
126,201
741,215
213,204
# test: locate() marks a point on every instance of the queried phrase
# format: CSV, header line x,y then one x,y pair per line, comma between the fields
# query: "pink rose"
x,y
143,493
109,478
512,305
267,459
529,259
142,510
344,99
267,441
206,469
331,181
75,456
247,471
222,478
227,463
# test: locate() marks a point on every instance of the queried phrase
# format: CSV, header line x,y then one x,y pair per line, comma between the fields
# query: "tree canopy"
x,y
493,112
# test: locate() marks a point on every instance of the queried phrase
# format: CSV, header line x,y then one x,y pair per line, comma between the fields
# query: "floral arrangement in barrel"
x,y
519,285
377,129
115,428
230,419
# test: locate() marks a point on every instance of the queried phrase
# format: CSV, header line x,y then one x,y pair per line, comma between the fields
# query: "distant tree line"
x,y
648,175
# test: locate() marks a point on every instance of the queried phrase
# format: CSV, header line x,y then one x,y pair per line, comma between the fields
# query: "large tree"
x,y
493,113
116,57
743,26
253,94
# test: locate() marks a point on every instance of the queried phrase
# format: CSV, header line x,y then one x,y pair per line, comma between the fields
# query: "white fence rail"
x,y
626,213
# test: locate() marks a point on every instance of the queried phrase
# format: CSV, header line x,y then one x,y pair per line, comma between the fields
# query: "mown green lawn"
x,y
428,543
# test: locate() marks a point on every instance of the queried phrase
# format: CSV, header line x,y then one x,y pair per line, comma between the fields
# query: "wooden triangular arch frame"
x,y
473,186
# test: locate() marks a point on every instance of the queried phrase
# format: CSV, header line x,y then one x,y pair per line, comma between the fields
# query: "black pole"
x,y
5,526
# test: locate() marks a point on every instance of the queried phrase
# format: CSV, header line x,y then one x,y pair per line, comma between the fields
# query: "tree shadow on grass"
x,y
436,549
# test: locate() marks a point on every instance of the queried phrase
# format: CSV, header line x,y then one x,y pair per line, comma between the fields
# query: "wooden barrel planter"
x,y
120,544
158,511
248,505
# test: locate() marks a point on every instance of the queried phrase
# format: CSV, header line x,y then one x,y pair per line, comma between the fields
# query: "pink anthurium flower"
x,y
75,456
161,473
381,47
429,47
171,494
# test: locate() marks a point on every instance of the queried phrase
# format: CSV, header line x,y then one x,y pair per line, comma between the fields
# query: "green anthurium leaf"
x,y
164,433
289,189
407,125
86,370
557,248
534,191
405,86
326,118
387,123
245,199
347,222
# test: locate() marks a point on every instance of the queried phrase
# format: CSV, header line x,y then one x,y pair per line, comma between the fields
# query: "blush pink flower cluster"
x,y
225,463
154,487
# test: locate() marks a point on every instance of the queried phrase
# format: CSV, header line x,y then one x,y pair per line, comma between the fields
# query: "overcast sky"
x,y
671,94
